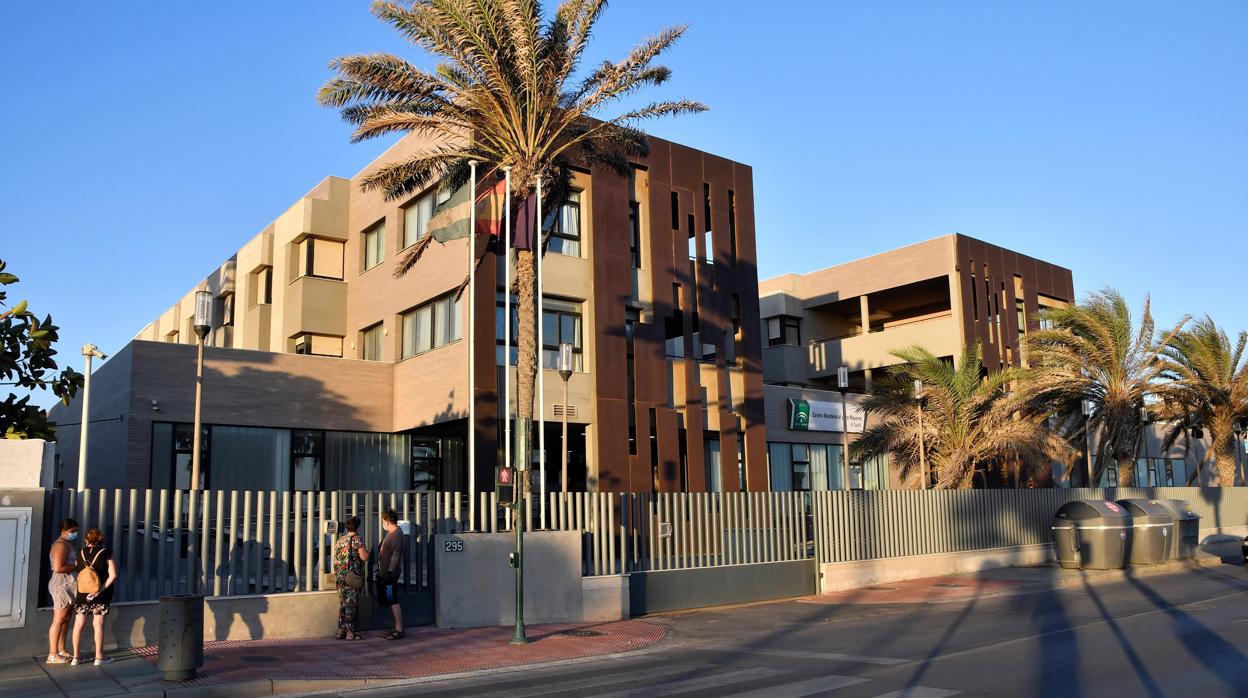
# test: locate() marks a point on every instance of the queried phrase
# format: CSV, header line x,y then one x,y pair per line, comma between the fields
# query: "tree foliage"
x,y
27,361
970,422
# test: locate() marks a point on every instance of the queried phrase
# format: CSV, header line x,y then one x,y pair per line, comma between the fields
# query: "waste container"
x,y
1151,529
1091,534
1185,538
181,648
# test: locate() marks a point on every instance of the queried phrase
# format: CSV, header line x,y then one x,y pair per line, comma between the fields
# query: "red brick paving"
x,y
931,590
424,652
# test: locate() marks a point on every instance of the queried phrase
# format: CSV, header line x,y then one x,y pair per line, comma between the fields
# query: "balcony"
x,y
939,334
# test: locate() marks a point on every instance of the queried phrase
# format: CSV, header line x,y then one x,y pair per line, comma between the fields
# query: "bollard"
x,y
181,636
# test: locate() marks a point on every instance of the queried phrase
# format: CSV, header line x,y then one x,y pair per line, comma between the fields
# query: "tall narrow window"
x,y
225,303
634,227
740,455
708,242
682,448
654,448
714,465
630,378
370,343
561,324
564,227
307,448
732,227
737,336
374,245
416,217
260,287
693,241
676,211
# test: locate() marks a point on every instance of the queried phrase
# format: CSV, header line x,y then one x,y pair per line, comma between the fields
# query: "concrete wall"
x,y
475,586
670,590
33,633
26,463
839,576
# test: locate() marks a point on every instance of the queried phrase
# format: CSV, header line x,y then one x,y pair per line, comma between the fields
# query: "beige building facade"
x,y
326,369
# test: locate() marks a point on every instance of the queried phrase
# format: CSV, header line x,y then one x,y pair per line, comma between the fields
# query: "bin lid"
x,y
1146,511
1091,510
1179,509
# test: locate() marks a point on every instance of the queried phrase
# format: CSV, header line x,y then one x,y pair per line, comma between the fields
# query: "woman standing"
x,y
62,588
350,553
96,570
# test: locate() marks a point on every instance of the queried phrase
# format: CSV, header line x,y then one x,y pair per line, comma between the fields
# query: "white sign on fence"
x,y
817,415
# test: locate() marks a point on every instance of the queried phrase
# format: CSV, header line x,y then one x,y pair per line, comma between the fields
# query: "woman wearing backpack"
x,y
97,572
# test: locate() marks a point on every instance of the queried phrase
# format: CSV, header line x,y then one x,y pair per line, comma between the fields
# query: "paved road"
x,y
1184,634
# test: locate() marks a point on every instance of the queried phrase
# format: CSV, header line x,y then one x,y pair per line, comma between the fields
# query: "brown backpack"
x,y
88,578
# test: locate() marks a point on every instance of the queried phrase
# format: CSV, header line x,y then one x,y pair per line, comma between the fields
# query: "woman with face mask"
x,y
62,588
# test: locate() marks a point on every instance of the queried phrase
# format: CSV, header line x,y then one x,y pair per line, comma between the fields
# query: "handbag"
x,y
351,579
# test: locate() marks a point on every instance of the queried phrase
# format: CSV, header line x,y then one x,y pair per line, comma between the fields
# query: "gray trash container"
x,y
1185,538
1151,529
181,649
1091,534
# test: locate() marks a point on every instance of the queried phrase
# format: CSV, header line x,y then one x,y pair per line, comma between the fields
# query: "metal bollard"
x,y
181,649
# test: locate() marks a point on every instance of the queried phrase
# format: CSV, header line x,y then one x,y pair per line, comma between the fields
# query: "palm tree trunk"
x,y
1224,461
526,361
1126,471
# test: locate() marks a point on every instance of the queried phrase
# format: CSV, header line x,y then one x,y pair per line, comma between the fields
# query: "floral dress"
x,y
347,559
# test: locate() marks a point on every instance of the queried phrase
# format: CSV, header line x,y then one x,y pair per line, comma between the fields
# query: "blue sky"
x,y
145,142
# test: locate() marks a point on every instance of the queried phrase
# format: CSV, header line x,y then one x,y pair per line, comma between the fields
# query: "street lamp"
x,y
565,372
89,351
842,384
1241,425
1088,408
203,315
1144,448
918,399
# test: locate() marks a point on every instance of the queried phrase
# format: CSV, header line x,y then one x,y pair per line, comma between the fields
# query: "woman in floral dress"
x,y
350,553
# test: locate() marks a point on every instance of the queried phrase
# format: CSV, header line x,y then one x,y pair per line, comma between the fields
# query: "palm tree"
x,y
1094,352
506,92
969,421
1210,390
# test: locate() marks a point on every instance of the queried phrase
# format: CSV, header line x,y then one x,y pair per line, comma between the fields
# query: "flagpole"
x,y
472,347
541,358
507,324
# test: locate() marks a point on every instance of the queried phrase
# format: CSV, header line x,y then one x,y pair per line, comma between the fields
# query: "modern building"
x,y
325,370
943,294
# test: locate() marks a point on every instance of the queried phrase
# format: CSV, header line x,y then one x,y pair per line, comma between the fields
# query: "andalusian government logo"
x,y
799,415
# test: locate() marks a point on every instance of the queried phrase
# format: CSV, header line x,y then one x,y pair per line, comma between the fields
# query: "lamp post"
x,y
203,315
842,384
1144,448
89,351
1241,425
918,400
1088,407
565,372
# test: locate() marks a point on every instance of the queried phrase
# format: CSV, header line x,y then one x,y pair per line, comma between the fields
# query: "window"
x,y
564,227
784,329
630,371
740,457
561,323
260,287
374,245
634,227
172,337
224,309
431,325
732,227
714,466
370,342
675,211
317,345
738,338
500,317
172,445
708,244
417,214
320,258
307,448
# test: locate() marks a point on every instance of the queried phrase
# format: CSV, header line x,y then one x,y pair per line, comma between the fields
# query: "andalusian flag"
x,y
451,219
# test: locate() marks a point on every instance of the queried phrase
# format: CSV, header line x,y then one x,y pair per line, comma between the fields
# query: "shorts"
x,y
387,592
91,608
62,587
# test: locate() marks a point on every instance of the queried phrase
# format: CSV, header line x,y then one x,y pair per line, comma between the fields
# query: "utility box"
x,y
1091,534
1185,538
1151,530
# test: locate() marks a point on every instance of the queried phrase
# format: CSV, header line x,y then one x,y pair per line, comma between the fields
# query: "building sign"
x,y
816,415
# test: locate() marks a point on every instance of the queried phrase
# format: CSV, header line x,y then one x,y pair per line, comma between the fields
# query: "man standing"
x,y
389,561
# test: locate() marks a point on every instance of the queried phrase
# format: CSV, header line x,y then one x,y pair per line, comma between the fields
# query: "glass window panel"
x,y
250,458
550,330
818,467
162,455
455,320
441,330
714,471
409,334
372,343
424,328
801,452
781,462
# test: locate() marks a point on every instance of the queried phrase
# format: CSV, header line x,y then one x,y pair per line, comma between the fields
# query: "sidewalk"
x,y
277,667
1006,580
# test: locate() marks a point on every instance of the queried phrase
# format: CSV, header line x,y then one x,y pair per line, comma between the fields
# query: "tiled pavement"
x,y
265,667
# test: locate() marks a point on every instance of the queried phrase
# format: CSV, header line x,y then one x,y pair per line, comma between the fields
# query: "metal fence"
x,y
223,543
868,525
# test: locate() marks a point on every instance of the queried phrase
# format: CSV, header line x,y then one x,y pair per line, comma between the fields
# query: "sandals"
x,y
353,637
395,635
342,635
57,659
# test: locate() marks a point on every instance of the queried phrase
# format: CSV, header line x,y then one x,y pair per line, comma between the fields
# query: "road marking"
x,y
798,654
701,683
920,692
801,689
581,683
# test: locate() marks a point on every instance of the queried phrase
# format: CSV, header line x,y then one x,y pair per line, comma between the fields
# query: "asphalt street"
x,y
1181,634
